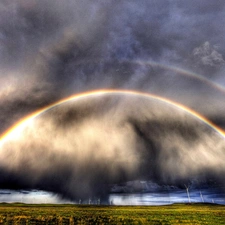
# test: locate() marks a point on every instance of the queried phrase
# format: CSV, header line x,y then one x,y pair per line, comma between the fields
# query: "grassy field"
x,y
85,214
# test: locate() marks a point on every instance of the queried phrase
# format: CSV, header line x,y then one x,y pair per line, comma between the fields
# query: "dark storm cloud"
x,y
72,46
112,30
113,143
51,49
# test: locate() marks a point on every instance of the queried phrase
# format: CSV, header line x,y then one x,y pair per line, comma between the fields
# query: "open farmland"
x,y
90,214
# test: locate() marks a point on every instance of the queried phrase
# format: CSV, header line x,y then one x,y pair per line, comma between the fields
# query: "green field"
x,y
85,214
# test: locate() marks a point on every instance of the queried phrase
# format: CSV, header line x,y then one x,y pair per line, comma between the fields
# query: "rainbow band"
x,y
26,120
178,70
182,72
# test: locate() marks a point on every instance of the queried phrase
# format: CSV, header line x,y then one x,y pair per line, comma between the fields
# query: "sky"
x,y
51,49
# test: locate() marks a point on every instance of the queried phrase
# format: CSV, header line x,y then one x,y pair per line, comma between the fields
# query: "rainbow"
x,y
10,133
175,69
181,72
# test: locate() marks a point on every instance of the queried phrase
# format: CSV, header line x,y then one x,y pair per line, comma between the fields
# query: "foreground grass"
x,y
85,214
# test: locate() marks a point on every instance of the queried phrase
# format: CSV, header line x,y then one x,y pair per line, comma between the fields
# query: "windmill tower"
x,y
187,189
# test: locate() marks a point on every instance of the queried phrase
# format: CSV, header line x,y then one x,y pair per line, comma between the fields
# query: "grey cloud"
x,y
20,95
51,49
163,31
118,30
202,7
206,55
115,143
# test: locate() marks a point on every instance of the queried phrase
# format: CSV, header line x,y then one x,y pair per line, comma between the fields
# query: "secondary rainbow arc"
x,y
26,120
176,69
182,72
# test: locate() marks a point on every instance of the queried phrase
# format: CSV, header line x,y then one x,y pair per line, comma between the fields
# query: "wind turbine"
x,y
187,187
201,196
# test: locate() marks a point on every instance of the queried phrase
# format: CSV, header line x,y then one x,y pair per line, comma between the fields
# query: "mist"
x,y
80,148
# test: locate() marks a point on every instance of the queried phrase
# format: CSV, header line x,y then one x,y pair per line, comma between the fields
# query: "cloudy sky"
x,y
51,49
